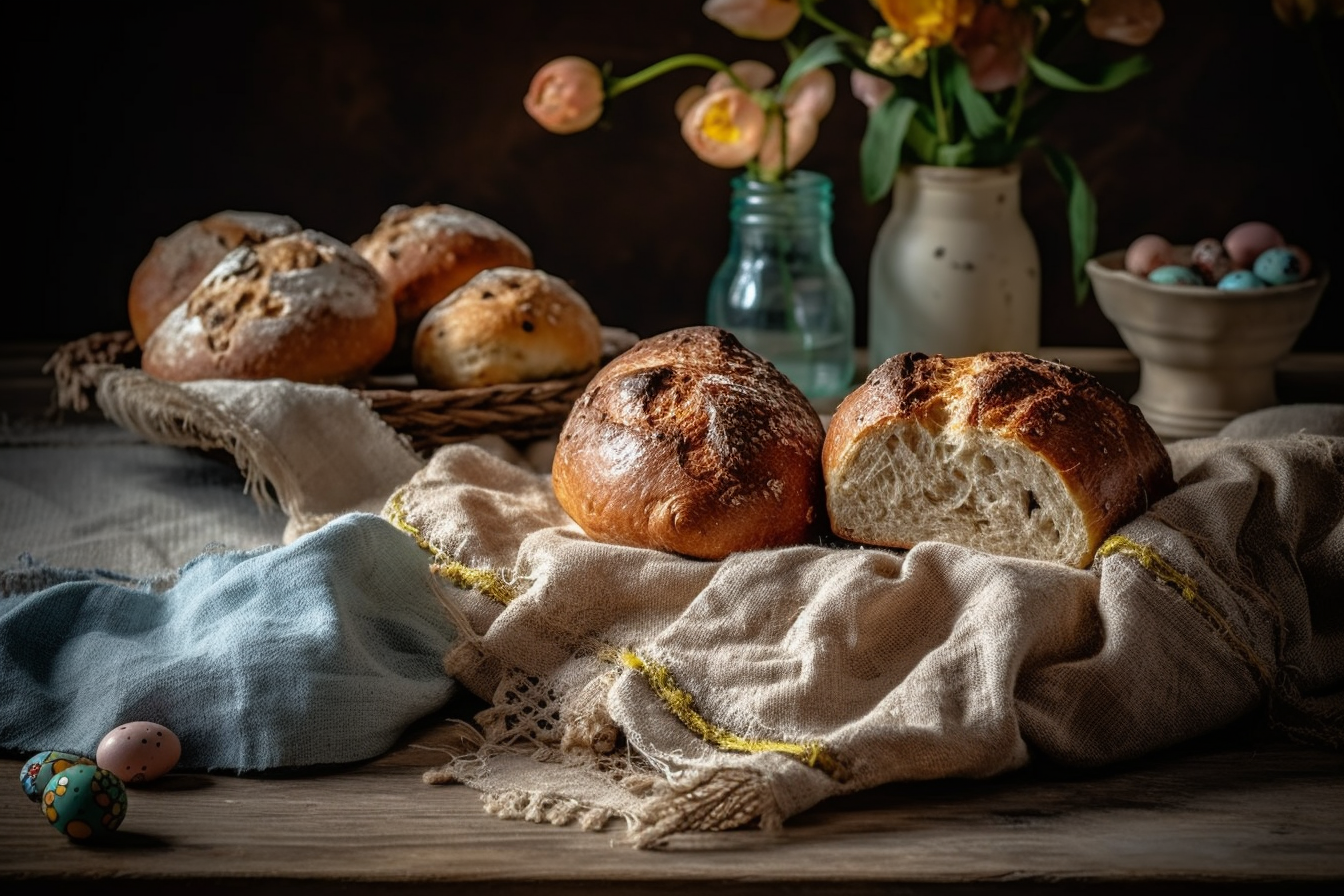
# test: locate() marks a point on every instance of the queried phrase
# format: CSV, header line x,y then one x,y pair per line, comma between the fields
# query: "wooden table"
x,y
1236,808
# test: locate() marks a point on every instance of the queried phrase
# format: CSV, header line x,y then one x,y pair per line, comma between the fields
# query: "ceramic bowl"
x,y
1206,355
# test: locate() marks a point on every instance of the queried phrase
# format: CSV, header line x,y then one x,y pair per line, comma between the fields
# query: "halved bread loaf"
x,y
1001,452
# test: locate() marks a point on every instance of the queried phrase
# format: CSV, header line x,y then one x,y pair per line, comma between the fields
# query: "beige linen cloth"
x,y
684,695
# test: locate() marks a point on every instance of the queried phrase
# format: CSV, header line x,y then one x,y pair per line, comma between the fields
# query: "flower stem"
x,y
936,86
1015,111
810,10
618,86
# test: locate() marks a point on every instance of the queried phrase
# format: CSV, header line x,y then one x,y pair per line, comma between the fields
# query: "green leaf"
x,y
880,151
921,139
956,154
981,118
1107,77
822,51
1082,212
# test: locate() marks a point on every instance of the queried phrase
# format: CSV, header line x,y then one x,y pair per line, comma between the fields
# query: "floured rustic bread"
x,y
178,262
506,325
425,252
1001,452
304,307
690,443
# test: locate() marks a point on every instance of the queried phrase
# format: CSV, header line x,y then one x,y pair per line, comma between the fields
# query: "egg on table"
x,y
85,802
139,752
37,771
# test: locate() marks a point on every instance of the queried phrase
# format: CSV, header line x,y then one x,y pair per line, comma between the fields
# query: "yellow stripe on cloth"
x,y
1152,561
682,705
486,581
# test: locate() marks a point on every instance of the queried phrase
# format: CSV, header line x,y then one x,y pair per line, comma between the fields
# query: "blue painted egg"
x,y
37,771
1240,280
1278,266
85,802
1175,275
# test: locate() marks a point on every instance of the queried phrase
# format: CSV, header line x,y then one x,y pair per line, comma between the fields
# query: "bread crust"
x,y
427,251
303,307
692,444
177,263
1110,461
506,325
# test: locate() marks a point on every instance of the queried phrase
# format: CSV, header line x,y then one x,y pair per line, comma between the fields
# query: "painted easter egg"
x,y
1240,280
1210,260
1278,265
85,802
37,771
1175,275
139,752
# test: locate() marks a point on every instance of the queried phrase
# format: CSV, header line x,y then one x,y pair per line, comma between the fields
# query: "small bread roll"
x,y
1001,452
690,443
304,307
506,325
426,252
178,262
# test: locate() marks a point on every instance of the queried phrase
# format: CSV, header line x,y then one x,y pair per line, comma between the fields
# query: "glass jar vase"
x,y
780,290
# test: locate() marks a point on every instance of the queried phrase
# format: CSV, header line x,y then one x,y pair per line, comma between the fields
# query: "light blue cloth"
x,y
322,651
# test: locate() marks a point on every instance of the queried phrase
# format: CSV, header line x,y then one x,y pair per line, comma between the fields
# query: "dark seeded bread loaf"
x,y
690,443
1001,451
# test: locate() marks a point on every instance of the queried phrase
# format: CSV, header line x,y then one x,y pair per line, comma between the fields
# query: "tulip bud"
x,y
755,19
724,128
868,89
1131,22
566,95
751,72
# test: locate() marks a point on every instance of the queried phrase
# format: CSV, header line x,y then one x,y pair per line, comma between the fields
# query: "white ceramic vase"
x,y
955,269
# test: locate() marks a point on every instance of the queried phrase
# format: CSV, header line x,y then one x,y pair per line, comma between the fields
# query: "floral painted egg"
x,y
1240,280
139,751
1175,275
85,802
1278,266
37,771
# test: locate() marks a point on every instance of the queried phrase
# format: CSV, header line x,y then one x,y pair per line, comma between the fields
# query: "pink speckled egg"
x,y
1148,253
139,752
1245,242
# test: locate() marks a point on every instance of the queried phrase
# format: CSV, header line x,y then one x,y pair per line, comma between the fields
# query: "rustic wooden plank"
x,y
1242,814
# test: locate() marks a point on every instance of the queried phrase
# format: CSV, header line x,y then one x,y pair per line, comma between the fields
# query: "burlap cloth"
x,y
683,695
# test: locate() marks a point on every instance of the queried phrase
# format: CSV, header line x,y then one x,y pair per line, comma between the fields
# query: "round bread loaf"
x,y
506,325
178,262
425,252
690,443
304,307
1001,452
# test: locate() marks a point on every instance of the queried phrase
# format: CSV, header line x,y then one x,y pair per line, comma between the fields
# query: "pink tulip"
x,y
724,128
812,95
751,72
1131,22
800,135
996,46
870,90
756,19
566,95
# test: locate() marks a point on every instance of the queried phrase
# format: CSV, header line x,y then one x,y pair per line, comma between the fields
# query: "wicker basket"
x,y
427,417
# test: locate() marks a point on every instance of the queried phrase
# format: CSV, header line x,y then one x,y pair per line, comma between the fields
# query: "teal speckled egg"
x,y
85,802
37,771
1278,266
1175,275
1240,280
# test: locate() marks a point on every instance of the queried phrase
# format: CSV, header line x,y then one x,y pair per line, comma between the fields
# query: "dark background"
x,y
133,118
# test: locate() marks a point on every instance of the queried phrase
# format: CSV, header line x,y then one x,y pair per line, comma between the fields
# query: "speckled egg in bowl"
x,y
1205,354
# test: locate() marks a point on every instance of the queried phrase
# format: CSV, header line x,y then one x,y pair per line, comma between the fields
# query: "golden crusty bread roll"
x,y
506,325
425,252
1002,452
178,262
304,307
690,443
